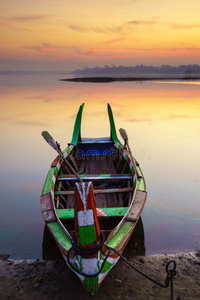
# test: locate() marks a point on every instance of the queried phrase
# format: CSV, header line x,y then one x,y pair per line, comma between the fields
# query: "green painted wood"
x,y
77,127
115,211
95,176
87,235
91,284
120,234
141,186
60,235
47,185
112,125
111,212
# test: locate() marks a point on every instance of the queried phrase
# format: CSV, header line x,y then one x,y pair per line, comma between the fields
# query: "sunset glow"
x,y
64,35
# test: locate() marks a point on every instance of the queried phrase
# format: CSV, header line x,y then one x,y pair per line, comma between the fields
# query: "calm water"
x,y
162,120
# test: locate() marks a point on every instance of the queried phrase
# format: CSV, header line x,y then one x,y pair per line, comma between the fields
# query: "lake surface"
x,y
162,120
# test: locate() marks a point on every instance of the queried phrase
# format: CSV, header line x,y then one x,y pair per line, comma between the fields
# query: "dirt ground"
x,y
40,279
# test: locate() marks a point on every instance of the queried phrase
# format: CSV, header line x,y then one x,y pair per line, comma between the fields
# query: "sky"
x,y
69,34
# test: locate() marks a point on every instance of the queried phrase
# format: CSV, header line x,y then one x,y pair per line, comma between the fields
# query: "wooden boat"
x,y
92,198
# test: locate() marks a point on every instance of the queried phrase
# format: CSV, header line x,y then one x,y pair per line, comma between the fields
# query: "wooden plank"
x,y
82,166
92,165
104,166
87,164
101,212
138,205
120,199
70,201
99,191
100,200
110,164
74,162
71,177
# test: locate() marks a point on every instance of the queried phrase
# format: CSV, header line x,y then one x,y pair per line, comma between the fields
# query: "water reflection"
x,y
162,121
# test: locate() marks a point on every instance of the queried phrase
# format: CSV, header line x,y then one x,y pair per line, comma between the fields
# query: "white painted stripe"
x,y
85,219
103,275
54,178
88,188
112,260
134,178
116,145
89,265
124,153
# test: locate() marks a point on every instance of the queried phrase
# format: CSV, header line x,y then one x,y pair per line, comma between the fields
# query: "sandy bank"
x,y
39,279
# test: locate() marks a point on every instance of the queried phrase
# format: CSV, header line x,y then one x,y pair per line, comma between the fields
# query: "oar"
x,y
48,138
124,135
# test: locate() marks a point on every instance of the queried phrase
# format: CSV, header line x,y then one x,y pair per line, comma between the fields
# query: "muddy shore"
x,y
40,279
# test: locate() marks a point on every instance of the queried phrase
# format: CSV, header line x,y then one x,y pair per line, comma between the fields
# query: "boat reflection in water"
x,y
135,246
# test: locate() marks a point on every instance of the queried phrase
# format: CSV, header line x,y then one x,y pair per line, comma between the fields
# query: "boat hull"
x,y
120,193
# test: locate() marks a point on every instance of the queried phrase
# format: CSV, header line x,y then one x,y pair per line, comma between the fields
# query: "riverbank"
x,y
39,279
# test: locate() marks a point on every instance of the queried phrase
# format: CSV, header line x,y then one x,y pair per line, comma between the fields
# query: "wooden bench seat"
x,y
101,191
101,212
85,177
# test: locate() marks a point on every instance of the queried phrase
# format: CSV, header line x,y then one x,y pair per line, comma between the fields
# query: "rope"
x,y
170,273
86,252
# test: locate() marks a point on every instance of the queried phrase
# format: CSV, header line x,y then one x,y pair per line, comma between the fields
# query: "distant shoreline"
x,y
113,79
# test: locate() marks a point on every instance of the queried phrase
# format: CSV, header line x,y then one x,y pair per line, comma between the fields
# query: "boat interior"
x,y
96,160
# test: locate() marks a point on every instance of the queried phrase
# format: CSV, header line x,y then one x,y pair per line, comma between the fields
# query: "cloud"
x,y
86,29
45,48
81,52
123,28
172,117
31,123
28,18
184,26
115,40
168,118
142,22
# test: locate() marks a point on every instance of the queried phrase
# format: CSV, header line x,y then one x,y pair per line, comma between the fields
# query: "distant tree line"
x,y
139,69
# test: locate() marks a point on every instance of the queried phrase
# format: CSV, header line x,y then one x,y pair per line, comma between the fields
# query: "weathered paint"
x,y
96,177
141,186
47,208
60,235
47,185
91,284
101,212
120,234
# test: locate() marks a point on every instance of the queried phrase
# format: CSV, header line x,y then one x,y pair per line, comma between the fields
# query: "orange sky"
x,y
64,35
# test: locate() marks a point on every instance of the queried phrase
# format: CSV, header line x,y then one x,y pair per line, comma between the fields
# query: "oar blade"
x,y
48,138
123,134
